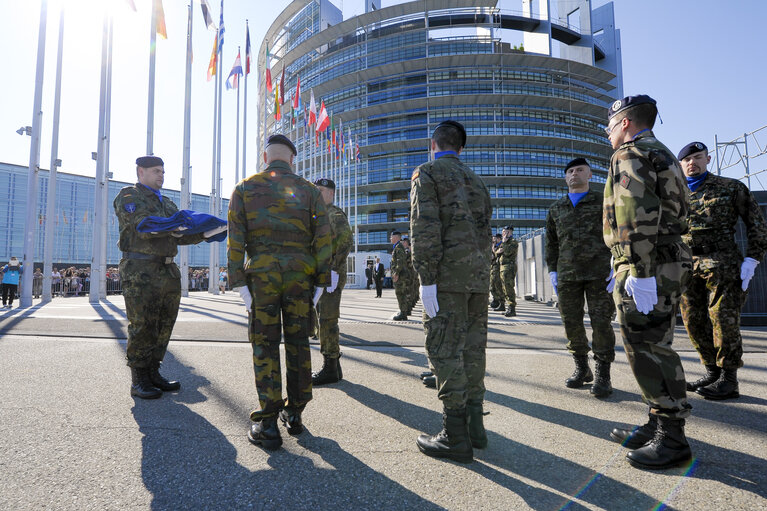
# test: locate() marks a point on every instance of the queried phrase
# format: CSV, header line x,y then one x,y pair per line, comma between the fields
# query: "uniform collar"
x,y
440,154
279,166
146,189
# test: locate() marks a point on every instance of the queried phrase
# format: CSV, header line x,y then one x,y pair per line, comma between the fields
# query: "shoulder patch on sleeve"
x,y
415,175
625,181
130,207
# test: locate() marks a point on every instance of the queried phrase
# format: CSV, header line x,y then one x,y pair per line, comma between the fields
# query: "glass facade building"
x,y
73,231
530,79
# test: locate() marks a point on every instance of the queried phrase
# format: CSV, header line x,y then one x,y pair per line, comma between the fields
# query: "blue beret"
x,y
148,162
327,183
576,162
282,140
396,233
454,124
692,147
629,102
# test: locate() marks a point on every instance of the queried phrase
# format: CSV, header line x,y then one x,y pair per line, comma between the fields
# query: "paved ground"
x,y
71,437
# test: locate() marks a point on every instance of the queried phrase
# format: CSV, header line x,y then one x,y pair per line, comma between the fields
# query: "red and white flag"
x,y
323,121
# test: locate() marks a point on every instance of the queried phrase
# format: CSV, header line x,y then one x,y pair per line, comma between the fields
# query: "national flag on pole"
x,y
221,30
160,14
277,115
333,137
312,110
323,121
306,123
212,63
297,97
132,5
282,84
206,14
247,49
268,70
357,151
236,72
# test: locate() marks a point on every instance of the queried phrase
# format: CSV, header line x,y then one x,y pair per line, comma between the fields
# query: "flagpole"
x,y
185,170
102,225
245,103
218,158
150,101
237,131
356,197
212,248
50,210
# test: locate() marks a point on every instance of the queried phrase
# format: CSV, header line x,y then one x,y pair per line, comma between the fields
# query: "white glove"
x,y
214,231
317,293
245,295
644,291
747,271
429,300
610,280
554,281
333,282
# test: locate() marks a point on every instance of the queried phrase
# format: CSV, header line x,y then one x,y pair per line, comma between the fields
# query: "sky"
x,y
700,59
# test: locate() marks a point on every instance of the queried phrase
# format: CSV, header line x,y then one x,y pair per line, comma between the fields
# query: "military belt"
x,y
665,248
147,257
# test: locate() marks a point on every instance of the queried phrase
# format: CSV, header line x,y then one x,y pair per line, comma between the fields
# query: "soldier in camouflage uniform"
x,y
398,266
412,277
279,256
450,222
508,257
328,308
578,263
645,215
496,285
720,275
151,282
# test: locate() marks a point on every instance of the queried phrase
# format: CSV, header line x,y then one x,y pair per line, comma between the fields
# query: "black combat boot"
x,y
510,311
265,433
400,317
159,381
452,442
668,448
602,386
330,372
726,387
141,384
477,433
501,306
712,374
494,304
636,437
430,381
582,372
291,419
425,374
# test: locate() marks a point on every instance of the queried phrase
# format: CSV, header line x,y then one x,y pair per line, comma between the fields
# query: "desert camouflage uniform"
x,y
645,214
279,246
328,308
713,299
398,267
151,287
575,249
509,269
450,223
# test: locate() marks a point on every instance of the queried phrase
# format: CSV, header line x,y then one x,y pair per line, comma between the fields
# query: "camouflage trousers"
x,y
328,310
647,340
573,294
711,313
281,303
496,285
402,291
152,293
414,285
508,276
456,339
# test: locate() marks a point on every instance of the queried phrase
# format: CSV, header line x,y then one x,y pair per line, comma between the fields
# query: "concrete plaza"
x,y
72,437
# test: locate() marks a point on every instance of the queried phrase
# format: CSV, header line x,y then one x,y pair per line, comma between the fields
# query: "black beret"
x,y
508,227
396,233
629,102
282,140
148,162
692,147
457,125
327,183
576,162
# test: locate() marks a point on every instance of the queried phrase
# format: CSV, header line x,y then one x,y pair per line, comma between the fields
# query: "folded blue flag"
x,y
193,221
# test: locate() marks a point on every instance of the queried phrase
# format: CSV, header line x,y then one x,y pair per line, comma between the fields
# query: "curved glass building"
x,y
530,80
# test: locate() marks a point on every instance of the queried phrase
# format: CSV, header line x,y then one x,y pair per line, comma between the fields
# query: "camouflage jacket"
x,y
495,258
342,238
575,248
398,262
278,223
132,205
509,255
450,226
645,204
715,207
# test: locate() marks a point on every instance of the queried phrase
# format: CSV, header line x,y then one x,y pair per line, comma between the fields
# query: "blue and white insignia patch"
x,y
130,207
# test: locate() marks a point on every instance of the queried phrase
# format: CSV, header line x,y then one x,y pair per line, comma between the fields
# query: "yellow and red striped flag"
x,y
160,15
212,64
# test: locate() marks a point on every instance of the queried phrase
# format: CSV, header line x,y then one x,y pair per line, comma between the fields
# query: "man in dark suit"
x,y
379,273
369,274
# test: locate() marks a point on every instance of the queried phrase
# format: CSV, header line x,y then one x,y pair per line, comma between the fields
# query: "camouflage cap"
x,y
576,162
692,147
148,162
629,102
282,140
327,183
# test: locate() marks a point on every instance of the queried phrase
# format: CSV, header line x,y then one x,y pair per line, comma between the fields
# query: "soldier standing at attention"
x,y
508,258
450,222
645,215
720,275
151,281
330,301
279,253
496,286
579,262
398,266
